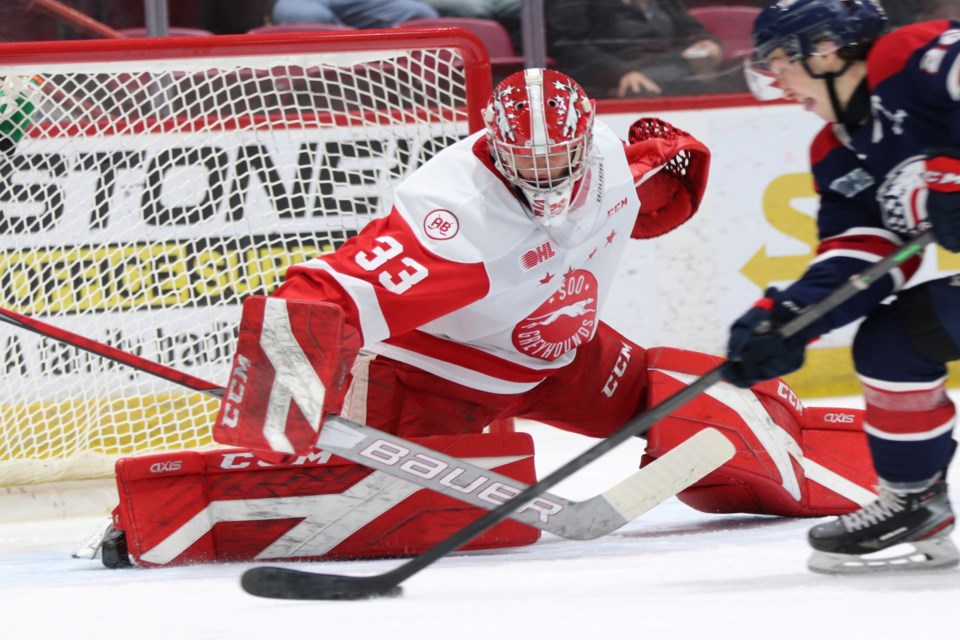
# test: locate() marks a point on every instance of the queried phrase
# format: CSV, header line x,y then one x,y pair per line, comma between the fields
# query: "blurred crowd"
x,y
614,48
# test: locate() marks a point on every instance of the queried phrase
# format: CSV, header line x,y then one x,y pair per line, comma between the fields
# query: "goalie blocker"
x,y
291,369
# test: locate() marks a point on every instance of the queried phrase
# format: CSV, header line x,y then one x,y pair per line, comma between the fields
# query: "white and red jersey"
x,y
459,281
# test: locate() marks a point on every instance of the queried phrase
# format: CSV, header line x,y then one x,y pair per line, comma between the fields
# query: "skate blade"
x,y
90,547
925,555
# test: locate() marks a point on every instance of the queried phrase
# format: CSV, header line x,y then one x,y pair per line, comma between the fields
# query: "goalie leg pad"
x,y
227,505
791,460
290,370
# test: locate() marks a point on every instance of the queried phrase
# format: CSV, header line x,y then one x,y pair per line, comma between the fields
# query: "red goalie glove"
x,y
670,168
290,371
791,460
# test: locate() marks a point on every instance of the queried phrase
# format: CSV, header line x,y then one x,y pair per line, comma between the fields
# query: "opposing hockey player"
x,y
476,299
886,166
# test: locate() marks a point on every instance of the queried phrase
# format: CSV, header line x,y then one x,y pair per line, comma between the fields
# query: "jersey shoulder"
x,y
459,207
892,53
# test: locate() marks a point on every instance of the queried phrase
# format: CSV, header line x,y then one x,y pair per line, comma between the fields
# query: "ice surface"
x,y
673,574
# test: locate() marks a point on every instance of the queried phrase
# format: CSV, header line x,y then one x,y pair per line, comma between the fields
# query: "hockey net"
x,y
156,183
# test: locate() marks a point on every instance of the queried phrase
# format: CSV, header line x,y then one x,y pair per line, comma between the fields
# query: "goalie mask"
x,y
539,124
796,26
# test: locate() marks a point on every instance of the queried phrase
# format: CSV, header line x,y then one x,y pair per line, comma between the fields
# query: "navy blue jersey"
x,y
913,75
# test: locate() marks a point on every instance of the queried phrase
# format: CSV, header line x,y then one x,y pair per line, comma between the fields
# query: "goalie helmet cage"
x,y
148,186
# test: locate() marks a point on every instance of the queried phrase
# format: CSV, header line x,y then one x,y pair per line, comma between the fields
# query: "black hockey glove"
x,y
942,176
756,351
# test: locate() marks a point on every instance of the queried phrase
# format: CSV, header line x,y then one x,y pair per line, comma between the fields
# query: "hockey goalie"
x,y
476,299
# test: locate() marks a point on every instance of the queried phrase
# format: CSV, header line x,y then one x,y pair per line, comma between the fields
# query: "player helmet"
x,y
539,124
796,26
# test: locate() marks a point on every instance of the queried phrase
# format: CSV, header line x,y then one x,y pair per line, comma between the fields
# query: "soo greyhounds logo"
x,y
567,319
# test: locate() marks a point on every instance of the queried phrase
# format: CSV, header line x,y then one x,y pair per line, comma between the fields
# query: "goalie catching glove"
x,y
670,169
290,371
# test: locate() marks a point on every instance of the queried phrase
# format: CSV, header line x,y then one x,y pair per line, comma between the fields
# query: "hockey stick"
x,y
277,582
584,520
110,353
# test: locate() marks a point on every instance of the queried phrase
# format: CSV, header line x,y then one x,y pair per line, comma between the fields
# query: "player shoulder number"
x,y
383,257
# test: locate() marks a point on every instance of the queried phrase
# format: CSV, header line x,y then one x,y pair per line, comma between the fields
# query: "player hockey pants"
x,y
899,353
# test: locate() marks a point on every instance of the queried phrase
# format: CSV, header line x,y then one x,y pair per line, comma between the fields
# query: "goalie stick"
x,y
584,520
293,584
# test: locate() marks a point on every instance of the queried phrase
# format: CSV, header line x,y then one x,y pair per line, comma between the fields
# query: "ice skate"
x,y
900,531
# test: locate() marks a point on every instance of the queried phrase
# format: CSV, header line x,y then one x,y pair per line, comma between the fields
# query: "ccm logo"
x,y
620,205
839,418
235,388
245,460
790,396
619,368
166,467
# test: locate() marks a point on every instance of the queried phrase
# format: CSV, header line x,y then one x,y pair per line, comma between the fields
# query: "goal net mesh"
x,y
143,195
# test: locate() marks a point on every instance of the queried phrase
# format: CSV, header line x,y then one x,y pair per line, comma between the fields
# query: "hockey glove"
x,y
942,176
670,169
756,351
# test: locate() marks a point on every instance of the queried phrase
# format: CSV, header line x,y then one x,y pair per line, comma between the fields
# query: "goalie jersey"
x,y
460,281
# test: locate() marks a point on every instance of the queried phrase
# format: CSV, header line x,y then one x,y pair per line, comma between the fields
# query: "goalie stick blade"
x,y
291,584
701,454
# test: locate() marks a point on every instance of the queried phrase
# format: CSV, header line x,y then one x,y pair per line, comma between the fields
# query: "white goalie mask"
x,y
539,124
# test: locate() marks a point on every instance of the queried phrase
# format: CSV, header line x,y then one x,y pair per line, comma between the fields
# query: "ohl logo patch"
x,y
567,319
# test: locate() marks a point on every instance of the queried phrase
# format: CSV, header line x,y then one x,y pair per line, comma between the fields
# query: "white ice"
x,y
673,574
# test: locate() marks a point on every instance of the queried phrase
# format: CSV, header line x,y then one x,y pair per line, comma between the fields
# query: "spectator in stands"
x,y
362,14
488,9
632,48
506,12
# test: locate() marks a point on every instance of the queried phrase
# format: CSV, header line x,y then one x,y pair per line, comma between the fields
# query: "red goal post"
x,y
157,182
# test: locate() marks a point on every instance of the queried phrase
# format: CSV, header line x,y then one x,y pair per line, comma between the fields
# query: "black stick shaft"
x,y
857,283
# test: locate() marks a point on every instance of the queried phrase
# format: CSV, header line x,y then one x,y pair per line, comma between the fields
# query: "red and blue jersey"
x,y
913,76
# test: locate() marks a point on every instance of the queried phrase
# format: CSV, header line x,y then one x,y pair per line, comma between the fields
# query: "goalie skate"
x,y
900,531
107,542
90,547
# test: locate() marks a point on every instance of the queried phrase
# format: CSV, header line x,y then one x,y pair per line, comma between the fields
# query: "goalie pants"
x,y
594,395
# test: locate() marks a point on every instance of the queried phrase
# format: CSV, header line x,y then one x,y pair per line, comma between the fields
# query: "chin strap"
x,y
857,107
